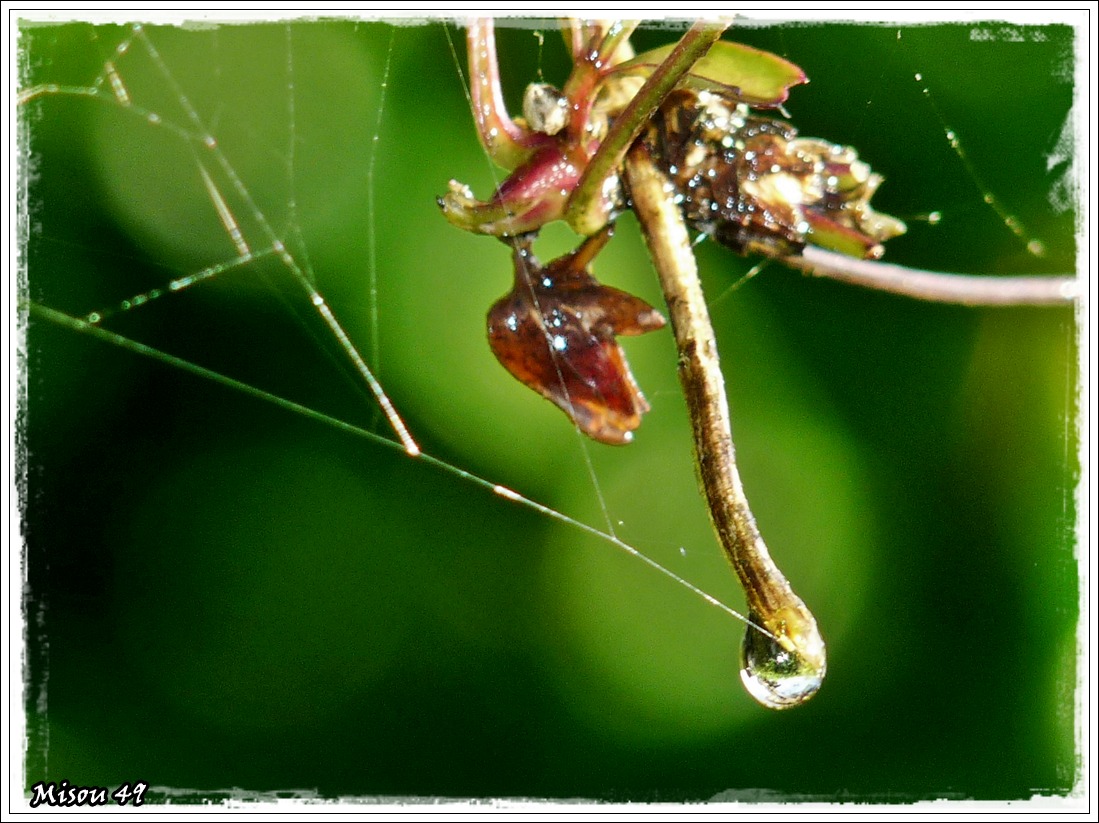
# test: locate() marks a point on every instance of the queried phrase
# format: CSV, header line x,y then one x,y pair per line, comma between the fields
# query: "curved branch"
x,y
786,665
939,287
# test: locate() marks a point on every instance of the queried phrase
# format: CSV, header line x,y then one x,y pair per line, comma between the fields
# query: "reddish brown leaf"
x,y
555,332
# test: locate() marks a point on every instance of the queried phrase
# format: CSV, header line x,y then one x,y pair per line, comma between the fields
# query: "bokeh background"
x,y
226,593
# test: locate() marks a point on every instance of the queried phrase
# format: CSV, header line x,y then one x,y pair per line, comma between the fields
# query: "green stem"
x,y
586,212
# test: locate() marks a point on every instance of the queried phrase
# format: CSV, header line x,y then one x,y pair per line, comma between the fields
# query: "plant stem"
x,y
584,213
939,287
773,604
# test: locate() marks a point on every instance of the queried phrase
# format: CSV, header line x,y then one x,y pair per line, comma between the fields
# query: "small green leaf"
x,y
749,75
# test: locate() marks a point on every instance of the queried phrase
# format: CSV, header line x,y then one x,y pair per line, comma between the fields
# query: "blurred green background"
x,y
224,593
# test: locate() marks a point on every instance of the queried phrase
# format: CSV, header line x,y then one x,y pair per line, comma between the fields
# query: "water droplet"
x,y
775,676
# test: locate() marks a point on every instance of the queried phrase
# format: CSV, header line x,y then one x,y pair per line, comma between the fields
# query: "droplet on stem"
x,y
777,677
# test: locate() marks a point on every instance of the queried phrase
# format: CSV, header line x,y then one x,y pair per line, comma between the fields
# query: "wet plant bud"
x,y
545,109
756,187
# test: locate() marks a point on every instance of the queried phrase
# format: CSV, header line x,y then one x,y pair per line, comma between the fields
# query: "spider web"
x,y
192,194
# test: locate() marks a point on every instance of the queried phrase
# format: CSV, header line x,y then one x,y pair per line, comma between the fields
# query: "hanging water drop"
x,y
776,676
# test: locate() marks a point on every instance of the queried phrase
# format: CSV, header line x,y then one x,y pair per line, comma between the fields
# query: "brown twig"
x,y
795,657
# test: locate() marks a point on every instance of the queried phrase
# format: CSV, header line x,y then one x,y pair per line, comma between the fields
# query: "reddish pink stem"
x,y
507,143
